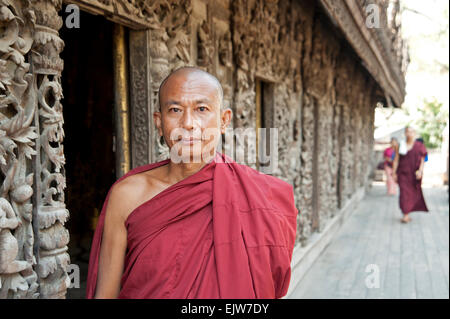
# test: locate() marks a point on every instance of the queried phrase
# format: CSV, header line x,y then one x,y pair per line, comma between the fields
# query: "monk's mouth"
x,y
189,141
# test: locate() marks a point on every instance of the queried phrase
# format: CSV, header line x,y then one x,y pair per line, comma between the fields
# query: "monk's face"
x,y
190,117
410,133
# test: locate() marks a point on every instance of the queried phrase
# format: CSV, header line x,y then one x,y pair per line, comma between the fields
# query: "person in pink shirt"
x,y
389,155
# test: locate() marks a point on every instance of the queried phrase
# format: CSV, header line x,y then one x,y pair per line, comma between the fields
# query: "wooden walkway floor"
x,y
375,256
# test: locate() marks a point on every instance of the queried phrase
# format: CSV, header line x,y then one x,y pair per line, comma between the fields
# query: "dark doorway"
x,y
264,120
88,104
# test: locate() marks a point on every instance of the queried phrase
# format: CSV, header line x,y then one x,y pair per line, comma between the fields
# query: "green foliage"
x,y
432,122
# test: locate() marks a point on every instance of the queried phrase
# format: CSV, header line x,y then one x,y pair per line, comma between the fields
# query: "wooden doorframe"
x,y
121,102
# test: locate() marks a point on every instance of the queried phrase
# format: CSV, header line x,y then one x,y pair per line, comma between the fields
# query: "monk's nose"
x,y
188,120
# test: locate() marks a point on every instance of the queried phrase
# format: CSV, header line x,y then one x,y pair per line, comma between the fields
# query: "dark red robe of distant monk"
x,y
226,231
411,196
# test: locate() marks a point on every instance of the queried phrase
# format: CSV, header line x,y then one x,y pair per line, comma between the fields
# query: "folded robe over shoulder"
x,y
227,231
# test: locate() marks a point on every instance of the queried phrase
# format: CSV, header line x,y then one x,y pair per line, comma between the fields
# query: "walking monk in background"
x,y
181,228
408,172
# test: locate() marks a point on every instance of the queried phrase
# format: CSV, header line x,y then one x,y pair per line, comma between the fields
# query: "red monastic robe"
x,y
227,231
411,196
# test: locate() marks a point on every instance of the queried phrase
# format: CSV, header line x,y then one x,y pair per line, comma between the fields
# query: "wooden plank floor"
x,y
412,260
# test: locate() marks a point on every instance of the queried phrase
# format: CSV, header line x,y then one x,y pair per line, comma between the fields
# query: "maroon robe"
x,y
411,196
227,231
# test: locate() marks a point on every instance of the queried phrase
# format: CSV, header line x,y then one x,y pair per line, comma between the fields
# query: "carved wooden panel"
x,y
18,278
306,169
50,207
31,124
319,82
142,133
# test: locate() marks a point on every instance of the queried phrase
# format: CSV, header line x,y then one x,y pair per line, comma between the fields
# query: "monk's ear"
x,y
225,119
158,122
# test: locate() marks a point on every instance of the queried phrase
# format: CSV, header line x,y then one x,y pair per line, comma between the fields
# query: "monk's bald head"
x,y
187,74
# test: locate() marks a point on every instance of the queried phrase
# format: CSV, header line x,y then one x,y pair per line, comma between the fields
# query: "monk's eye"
x,y
202,108
174,110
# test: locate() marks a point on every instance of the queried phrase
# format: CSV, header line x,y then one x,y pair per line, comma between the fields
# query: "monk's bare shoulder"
x,y
134,190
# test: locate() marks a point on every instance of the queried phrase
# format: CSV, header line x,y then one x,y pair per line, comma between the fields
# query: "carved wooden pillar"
x,y
49,211
307,168
336,156
18,278
159,53
141,119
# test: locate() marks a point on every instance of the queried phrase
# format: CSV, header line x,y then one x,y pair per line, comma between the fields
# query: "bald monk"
x,y
408,172
189,228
